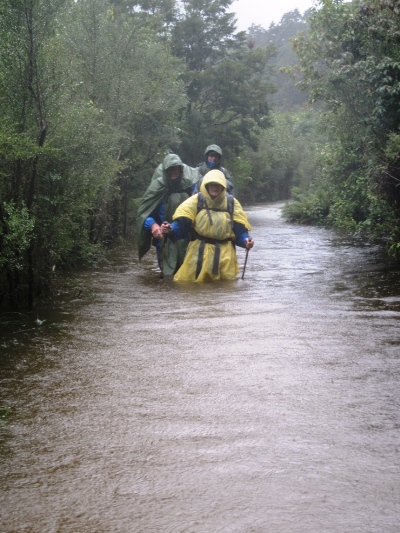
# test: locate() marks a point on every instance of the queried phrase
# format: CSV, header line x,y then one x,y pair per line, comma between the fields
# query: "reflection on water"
x,y
269,404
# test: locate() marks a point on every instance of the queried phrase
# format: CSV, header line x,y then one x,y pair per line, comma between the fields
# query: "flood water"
x,y
265,405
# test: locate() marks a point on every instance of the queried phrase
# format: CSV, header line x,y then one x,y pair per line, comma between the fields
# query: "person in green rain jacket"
x,y
171,184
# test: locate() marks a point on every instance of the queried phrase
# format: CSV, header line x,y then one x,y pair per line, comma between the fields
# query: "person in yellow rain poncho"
x,y
216,223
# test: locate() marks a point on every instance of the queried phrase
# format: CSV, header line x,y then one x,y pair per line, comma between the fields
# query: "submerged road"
x,y
265,405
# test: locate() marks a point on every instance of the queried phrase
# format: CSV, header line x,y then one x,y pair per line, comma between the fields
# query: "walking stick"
x,y
162,252
245,261
162,247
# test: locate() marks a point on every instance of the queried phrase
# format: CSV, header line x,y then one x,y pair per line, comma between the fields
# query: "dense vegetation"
x,y
350,62
94,93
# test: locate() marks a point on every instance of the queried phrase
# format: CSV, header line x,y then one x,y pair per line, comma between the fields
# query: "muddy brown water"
x,y
268,405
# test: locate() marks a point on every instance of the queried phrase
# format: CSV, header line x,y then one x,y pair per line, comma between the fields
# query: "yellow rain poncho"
x,y
211,254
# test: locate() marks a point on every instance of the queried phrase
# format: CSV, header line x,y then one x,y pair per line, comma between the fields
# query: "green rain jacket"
x,y
173,193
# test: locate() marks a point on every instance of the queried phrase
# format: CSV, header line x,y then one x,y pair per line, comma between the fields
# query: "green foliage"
x,y
226,83
16,231
89,100
311,208
241,169
204,33
4,412
286,156
350,61
133,79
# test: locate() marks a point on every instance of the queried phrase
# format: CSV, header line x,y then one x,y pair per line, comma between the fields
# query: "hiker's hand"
x,y
166,228
156,231
249,243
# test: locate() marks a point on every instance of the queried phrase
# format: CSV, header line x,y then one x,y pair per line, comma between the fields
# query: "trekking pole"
x,y
162,245
162,252
245,261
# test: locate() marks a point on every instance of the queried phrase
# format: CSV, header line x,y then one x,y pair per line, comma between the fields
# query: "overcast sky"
x,y
263,12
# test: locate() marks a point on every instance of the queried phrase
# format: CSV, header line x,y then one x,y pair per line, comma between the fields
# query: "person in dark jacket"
x,y
212,161
171,184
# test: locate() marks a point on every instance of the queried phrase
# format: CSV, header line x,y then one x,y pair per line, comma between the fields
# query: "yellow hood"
x,y
188,208
213,176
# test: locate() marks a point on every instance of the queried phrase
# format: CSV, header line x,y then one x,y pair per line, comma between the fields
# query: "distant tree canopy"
x,y
283,156
226,83
288,96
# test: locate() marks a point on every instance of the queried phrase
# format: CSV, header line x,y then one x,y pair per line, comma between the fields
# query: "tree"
x,y
25,27
126,71
89,95
288,95
350,61
285,158
225,80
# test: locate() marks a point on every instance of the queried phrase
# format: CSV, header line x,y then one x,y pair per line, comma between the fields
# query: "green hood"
x,y
171,160
213,148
